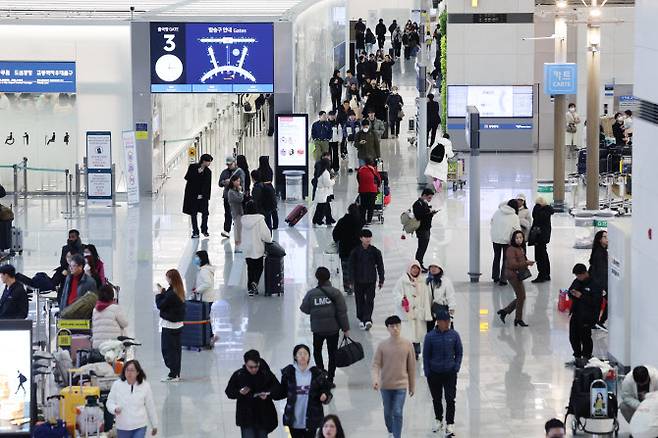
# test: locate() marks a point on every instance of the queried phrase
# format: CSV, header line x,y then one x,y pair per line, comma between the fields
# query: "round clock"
x,y
169,68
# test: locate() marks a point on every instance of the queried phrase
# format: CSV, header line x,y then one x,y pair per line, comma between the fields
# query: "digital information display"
x,y
212,58
499,101
16,378
37,77
291,140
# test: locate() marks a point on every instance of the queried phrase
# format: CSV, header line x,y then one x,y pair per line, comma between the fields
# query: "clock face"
x,y
169,68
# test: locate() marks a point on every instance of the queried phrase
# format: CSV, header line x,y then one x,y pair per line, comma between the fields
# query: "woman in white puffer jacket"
x,y
440,289
108,320
413,304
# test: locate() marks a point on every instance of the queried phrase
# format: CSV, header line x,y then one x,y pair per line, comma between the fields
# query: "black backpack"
x,y
438,153
579,400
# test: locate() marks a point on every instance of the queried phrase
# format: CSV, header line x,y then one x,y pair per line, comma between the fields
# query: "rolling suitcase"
x,y
16,240
197,331
72,398
273,275
296,215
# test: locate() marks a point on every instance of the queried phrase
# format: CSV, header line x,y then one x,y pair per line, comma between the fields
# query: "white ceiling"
x,y
144,9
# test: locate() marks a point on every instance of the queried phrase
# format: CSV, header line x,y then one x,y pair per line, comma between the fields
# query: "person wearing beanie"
x,y
366,267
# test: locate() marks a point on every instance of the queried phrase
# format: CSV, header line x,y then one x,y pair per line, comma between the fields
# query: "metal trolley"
x,y
456,168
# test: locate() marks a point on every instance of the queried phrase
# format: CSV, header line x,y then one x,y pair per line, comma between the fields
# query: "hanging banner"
x,y
130,164
99,166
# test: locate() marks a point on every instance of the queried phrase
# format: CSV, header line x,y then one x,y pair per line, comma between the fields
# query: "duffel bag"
x,y
348,353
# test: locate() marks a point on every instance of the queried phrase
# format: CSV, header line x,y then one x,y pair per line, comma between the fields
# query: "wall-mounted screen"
x,y
212,58
15,378
37,77
513,101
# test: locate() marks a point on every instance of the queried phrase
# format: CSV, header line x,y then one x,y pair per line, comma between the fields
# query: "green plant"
x,y
444,72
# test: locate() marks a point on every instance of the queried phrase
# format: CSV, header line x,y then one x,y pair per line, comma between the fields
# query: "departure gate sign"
x,y
212,58
37,77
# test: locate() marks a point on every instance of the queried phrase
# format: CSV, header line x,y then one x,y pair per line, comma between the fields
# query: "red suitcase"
x,y
296,215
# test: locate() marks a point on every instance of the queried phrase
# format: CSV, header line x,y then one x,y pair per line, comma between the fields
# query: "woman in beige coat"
x,y
412,299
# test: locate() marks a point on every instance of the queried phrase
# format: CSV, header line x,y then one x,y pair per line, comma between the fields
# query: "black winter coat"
x,y
197,184
14,303
586,308
541,217
366,265
171,307
433,117
423,213
264,195
288,389
380,30
253,411
347,234
598,267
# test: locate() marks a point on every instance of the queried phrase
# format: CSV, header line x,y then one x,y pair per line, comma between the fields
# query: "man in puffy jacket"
x,y
326,306
380,31
366,142
369,180
635,387
14,300
366,266
503,223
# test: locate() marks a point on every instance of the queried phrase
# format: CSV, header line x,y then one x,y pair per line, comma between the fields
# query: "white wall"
x,y
386,9
103,101
644,256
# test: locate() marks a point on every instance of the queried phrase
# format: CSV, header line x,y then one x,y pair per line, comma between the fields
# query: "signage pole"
x,y
559,117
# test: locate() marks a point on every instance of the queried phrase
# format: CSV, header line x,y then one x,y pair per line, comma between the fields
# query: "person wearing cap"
x,y
231,170
321,134
525,217
393,374
586,294
14,300
197,193
442,359
366,266
367,143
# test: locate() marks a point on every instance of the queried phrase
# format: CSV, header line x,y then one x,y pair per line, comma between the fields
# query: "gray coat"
x,y
85,284
235,199
327,309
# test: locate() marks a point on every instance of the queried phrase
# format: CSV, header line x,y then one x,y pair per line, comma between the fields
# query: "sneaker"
x,y
253,287
206,234
251,293
225,235
602,327
195,235
450,430
362,326
368,325
438,426
237,251
168,379
502,283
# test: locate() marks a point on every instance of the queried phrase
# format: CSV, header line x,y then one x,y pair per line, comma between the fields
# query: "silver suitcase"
x,y
16,240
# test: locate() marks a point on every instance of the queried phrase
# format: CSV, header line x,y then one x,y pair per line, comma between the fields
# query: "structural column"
x,y
421,102
559,120
593,103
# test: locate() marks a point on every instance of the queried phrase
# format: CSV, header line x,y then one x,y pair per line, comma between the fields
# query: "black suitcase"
x,y
197,331
273,276
385,133
5,235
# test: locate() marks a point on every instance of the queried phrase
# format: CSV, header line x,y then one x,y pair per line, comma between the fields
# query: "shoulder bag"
x,y
436,307
348,353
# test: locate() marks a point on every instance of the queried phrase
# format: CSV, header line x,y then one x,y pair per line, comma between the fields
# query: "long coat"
x,y
197,184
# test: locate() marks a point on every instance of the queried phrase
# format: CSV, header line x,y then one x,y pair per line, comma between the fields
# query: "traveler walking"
x,y
442,359
503,223
241,161
108,319
336,140
318,168
366,267
351,128
369,180
336,89
321,134
540,236
350,80
376,125
264,196
393,374
306,389
433,119
361,71
396,41
323,195
598,270
326,306
256,234
411,296
586,294
424,213
331,428
171,304
525,217
516,270
131,402
14,301
235,200
360,30
393,26
370,40
437,166
394,104
441,292
231,170
380,31
347,233
386,70
254,386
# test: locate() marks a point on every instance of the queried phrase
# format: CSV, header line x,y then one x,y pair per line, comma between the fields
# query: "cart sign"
x,y
99,165
560,78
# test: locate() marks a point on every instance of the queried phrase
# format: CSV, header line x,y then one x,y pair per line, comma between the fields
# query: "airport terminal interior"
x,y
484,117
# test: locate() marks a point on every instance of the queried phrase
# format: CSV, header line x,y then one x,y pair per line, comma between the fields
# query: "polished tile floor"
x,y
512,379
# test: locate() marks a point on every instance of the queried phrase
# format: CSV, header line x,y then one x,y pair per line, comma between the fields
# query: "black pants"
x,y
254,270
323,213
580,336
332,346
431,135
440,384
335,101
497,271
380,42
204,223
364,294
367,201
394,123
407,52
423,242
171,350
302,433
272,219
397,47
543,262
228,219
335,155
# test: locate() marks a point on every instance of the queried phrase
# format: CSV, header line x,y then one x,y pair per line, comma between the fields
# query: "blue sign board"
x,y
212,58
37,77
560,78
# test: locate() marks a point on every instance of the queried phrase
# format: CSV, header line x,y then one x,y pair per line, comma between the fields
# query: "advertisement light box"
x,y
494,101
291,140
37,77
212,58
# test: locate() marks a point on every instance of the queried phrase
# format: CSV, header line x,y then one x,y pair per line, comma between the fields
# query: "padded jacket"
x,y
171,308
503,223
107,324
14,304
327,308
366,264
288,390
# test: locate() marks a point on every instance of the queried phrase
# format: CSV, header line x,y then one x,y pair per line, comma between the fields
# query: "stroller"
x,y
593,403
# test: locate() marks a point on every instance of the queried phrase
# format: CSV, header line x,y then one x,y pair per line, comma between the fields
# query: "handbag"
x,y
400,114
436,307
571,128
348,353
523,274
533,235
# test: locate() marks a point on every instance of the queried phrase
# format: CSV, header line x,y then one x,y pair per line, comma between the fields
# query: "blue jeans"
x,y
393,400
252,432
137,433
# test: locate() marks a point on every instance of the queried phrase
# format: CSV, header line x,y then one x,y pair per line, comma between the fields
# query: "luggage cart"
x,y
378,212
603,408
456,167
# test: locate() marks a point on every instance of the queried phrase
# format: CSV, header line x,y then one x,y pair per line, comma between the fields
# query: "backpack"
x,y
405,39
247,106
438,153
409,223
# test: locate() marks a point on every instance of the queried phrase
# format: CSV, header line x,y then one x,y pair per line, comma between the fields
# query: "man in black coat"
x,y
586,295
197,193
361,70
366,267
380,31
253,386
433,119
540,236
346,234
423,212
14,300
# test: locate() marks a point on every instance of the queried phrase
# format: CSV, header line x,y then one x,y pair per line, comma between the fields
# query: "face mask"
x,y
572,109
87,268
620,119
87,254
196,261
366,129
